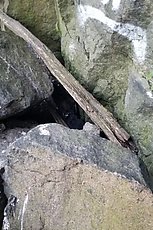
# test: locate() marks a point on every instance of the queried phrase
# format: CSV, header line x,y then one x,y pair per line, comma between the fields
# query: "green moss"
x,y
145,133
149,77
39,17
70,66
65,10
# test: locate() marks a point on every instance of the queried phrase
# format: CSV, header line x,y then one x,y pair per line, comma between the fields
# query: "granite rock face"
x,y
108,46
57,178
24,80
87,146
8,136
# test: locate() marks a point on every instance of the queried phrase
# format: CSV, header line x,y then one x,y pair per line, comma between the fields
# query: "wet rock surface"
x,y
64,176
24,80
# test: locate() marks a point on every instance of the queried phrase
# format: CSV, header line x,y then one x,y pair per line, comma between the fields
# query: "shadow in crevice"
x,y
59,107
145,173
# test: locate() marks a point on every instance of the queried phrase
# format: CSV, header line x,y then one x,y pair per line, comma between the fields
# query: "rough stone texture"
x,y
139,110
39,17
8,136
3,200
108,46
24,80
52,171
85,145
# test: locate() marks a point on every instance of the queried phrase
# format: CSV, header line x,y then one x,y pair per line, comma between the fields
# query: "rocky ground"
x,y
56,177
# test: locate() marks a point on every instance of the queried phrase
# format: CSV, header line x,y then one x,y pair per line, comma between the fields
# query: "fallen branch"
x,y
98,114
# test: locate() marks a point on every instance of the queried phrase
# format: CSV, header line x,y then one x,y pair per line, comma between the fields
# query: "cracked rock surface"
x,y
107,45
24,80
59,178
8,136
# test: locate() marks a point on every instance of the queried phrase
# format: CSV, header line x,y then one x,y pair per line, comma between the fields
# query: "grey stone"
x,y
139,108
8,136
79,144
108,47
91,128
56,177
24,80
39,17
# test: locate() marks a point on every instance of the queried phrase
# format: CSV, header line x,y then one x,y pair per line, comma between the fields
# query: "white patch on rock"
x,y
140,49
87,12
105,1
23,133
24,209
9,210
72,48
6,224
116,4
149,94
91,128
135,34
83,17
43,131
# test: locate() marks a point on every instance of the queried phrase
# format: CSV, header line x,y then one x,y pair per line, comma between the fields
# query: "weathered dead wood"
x,y
98,114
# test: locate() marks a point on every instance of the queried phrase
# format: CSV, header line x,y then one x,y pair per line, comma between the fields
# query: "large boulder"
x,y
57,178
24,80
38,16
108,46
9,134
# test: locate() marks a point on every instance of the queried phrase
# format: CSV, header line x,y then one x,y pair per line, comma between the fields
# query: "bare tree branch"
x,y
98,114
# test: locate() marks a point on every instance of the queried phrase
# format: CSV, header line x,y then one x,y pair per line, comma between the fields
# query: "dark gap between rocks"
x,y
12,128
60,103
67,109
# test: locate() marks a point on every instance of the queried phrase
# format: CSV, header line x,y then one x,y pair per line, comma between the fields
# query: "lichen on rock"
x,y
108,47
40,18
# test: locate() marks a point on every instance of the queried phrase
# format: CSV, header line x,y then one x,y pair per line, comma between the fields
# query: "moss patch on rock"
x,y
39,17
